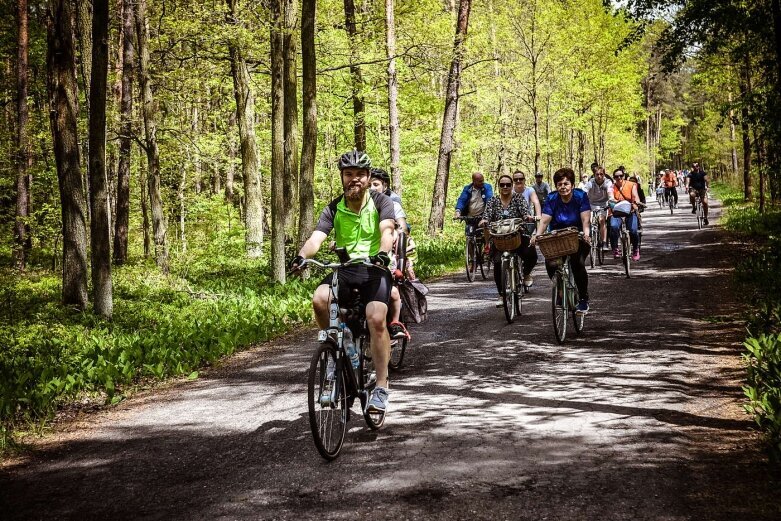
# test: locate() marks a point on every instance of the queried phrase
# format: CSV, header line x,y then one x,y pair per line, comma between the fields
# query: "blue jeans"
x,y
615,227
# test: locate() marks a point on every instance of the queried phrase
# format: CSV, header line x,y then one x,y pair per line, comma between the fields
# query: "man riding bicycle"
x,y
625,190
697,184
363,224
599,190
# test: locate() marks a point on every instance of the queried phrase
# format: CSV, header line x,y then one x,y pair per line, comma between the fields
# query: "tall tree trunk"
x,y
359,113
84,42
759,142
291,183
142,183
230,172
733,147
21,226
122,220
744,82
278,170
64,108
159,224
439,197
100,238
245,116
309,108
393,94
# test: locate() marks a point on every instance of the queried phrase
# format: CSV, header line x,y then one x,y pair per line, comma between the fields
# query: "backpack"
x,y
413,299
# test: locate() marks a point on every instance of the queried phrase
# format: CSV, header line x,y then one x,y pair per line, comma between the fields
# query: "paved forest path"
x,y
637,419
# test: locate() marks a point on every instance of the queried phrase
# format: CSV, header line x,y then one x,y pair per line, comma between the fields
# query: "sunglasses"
x,y
519,179
618,177
505,185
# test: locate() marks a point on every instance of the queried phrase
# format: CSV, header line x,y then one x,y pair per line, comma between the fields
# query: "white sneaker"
x,y
528,281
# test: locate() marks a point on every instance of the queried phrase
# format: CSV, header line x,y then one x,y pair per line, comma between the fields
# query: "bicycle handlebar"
x,y
364,261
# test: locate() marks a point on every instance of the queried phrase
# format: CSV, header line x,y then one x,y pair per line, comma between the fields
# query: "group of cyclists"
x,y
368,218
694,182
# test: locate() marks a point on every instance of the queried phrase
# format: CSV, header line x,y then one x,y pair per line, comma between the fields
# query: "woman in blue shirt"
x,y
569,207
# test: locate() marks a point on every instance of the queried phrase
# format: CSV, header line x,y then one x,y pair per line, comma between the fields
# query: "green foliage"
x,y
763,388
760,274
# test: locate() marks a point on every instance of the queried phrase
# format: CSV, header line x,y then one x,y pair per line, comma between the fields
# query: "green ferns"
x,y
763,389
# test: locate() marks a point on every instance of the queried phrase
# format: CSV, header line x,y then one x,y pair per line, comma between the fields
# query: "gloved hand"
x,y
398,275
381,259
295,263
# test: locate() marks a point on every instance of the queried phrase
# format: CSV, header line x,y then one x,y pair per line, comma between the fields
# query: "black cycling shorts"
x,y
373,284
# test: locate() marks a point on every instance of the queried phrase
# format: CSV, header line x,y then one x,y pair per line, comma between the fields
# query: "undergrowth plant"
x,y
214,302
760,274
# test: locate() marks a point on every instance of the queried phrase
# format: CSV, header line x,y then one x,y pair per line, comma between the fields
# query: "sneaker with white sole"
x,y
528,281
379,400
582,308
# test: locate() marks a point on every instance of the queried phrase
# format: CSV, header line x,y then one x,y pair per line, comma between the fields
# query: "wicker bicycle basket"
x,y
558,243
506,234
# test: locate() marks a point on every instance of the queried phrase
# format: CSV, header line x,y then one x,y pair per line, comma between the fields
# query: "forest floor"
x,y
638,418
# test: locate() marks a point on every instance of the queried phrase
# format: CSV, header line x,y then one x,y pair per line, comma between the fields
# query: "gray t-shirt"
x,y
476,203
542,189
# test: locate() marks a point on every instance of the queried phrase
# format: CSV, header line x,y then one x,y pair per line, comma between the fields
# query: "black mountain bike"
x,y
333,383
474,256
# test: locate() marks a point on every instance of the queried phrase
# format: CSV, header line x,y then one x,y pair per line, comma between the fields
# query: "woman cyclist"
x,y
625,190
568,207
509,205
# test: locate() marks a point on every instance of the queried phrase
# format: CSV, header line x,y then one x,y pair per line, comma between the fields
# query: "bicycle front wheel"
x,y
699,216
578,319
625,255
508,295
470,257
559,308
327,402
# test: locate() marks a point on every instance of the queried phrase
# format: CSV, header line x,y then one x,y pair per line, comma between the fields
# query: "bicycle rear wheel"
x,y
327,416
470,258
397,354
559,308
509,297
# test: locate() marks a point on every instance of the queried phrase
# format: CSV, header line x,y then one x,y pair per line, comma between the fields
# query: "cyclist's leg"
x,y
631,226
394,305
603,227
529,256
497,260
376,292
577,263
321,300
704,199
615,226
691,197
674,192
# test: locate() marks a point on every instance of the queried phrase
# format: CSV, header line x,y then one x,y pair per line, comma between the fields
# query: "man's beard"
x,y
355,192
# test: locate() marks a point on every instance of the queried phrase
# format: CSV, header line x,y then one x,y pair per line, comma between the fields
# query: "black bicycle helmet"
x,y
381,174
355,159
